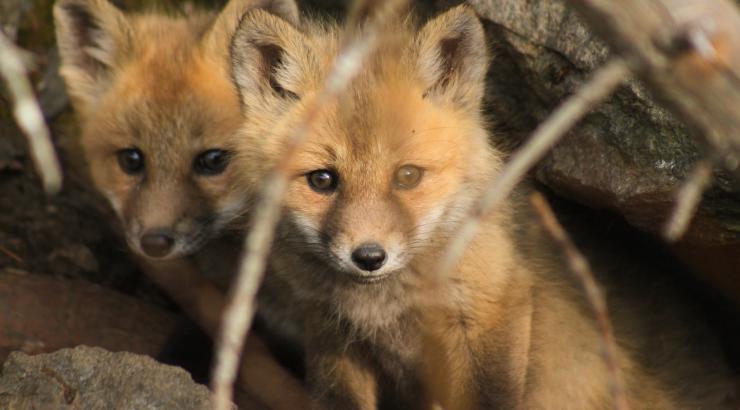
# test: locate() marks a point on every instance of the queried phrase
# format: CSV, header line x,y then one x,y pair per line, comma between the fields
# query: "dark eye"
x,y
211,162
323,180
131,160
408,176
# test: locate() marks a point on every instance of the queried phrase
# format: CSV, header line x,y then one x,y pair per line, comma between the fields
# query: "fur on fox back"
x,y
505,328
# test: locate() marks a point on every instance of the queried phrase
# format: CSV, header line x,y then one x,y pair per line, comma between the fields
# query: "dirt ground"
x,y
70,235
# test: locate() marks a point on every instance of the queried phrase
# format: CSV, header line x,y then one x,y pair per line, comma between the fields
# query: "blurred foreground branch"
x,y
595,296
260,375
688,199
29,117
240,311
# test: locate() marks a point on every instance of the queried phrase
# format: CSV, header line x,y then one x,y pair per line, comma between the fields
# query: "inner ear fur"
x,y
452,56
267,55
93,36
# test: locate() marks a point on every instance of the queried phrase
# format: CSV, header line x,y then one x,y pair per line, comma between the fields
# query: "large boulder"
x,y
92,378
628,155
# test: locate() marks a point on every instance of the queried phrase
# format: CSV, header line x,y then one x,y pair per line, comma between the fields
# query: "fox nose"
x,y
157,244
369,256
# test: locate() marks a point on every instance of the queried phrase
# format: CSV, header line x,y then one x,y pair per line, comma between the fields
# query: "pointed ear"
x,y
452,57
93,37
223,28
269,57
285,9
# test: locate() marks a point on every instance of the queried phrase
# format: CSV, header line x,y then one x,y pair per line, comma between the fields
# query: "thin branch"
x,y
11,254
29,117
688,199
581,269
240,311
602,85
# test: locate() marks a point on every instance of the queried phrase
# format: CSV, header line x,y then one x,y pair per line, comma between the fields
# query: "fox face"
x,y
165,168
371,196
157,109
391,165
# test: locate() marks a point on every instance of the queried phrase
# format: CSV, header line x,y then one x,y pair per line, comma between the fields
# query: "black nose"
x,y
369,256
157,244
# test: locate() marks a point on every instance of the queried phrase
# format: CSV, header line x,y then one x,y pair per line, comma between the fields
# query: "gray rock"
x,y
92,378
629,155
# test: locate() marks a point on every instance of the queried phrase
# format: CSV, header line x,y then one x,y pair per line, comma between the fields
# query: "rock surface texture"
x,y
92,378
628,155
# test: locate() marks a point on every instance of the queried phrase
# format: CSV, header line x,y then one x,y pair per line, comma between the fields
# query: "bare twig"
x,y
11,254
547,134
240,311
260,375
688,199
29,117
580,267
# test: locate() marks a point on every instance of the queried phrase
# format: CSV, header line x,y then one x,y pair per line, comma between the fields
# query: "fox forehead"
x,y
174,108
384,127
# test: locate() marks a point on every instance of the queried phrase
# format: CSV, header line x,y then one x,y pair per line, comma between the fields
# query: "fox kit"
x,y
377,189
157,107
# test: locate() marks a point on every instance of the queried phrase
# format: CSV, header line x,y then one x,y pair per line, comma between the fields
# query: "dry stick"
x,y
29,117
547,134
11,254
240,311
580,267
688,199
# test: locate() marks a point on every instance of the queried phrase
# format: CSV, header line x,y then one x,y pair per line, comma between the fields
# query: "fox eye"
x,y
408,176
131,160
323,180
211,162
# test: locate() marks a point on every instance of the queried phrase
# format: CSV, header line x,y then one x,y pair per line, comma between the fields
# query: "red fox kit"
x,y
381,183
157,107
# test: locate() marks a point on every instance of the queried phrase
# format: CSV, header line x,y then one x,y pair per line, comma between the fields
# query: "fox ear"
x,y
93,36
227,21
285,9
452,57
268,57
